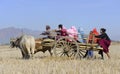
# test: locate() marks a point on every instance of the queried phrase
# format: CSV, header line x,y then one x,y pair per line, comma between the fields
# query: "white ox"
x,y
26,44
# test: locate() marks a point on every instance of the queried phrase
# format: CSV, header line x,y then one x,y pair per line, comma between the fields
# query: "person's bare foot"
x,y
108,55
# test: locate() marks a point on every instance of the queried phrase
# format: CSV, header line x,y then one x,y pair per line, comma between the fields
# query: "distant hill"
x,y
12,32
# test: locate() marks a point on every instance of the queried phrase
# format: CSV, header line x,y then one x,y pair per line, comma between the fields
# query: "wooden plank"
x,y
89,47
48,44
84,44
48,40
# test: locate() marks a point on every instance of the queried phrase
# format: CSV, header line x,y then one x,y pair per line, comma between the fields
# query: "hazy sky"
x,y
35,14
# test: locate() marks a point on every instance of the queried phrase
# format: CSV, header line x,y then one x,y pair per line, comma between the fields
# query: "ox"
x,y
34,46
26,44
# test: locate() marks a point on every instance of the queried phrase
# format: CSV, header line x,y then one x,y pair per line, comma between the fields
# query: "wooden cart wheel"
x,y
82,53
66,46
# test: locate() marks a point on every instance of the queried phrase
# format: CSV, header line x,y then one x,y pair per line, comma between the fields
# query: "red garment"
x,y
105,44
93,39
95,32
90,38
63,32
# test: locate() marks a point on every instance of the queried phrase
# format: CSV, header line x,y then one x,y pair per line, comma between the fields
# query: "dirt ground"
x,y
43,63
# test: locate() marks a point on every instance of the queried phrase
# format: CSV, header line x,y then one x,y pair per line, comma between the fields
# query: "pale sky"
x,y
35,14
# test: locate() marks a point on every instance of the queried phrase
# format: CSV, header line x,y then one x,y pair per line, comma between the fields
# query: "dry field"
x,y
11,63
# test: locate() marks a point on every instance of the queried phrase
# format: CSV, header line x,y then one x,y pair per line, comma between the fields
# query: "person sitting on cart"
x,y
50,34
81,35
61,31
104,41
72,32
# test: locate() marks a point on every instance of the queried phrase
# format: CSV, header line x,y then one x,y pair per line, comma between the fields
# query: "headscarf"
x,y
74,29
91,36
95,31
72,32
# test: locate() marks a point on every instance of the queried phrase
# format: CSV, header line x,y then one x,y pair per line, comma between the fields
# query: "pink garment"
x,y
72,32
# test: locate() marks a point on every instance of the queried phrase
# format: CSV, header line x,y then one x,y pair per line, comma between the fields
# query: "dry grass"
x,y
11,63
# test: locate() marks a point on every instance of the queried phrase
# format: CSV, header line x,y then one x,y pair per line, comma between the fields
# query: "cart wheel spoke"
x,y
82,53
59,53
67,47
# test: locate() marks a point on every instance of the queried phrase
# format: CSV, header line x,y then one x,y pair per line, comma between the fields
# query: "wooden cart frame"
x,y
67,46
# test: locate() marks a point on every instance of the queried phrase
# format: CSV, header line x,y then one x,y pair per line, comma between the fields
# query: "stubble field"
x,y
42,63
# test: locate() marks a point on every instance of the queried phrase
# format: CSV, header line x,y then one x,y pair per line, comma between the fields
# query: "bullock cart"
x,y
69,47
